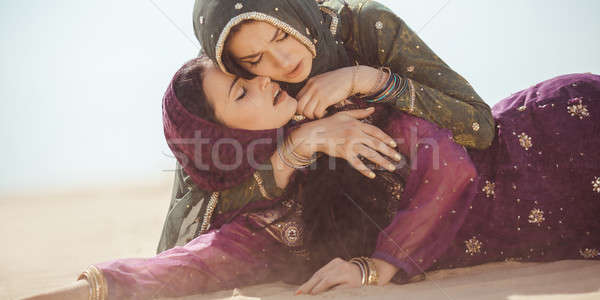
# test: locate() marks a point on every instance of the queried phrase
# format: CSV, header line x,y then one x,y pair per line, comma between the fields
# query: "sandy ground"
x,y
49,238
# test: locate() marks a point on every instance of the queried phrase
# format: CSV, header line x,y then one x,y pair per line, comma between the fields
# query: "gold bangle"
x,y
98,287
363,270
373,276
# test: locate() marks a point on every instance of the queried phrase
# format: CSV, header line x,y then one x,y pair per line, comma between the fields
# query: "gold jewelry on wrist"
x,y
373,276
381,80
363,270
98,287
291,158
367,269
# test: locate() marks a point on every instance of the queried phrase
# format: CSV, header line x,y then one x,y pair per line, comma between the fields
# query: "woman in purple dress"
x,y
533,196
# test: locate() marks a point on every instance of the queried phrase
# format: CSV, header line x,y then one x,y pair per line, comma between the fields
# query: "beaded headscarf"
x,y
302,19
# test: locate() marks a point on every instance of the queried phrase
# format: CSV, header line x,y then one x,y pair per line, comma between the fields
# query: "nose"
x,y
282,59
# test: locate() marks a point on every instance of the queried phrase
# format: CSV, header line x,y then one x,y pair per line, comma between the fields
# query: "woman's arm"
x,y
78,290
379,38
439,189
441,95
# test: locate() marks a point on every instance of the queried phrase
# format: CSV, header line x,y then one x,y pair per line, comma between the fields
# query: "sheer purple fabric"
x,y
440,189
226,258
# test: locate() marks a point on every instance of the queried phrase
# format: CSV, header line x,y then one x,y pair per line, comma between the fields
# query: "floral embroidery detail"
x,y
576,108
292,234
536,216
476,126
596,184
525,141
473,246
410,69
489,189
239,6
589,253
379,25
522,108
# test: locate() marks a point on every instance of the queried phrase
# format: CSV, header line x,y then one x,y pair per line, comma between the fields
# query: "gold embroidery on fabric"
x,y
291,234
589,253
261,186
536,216
473,246
379,25
489,189
596,184
334,20
476,126
413,95
578,109
264,18
525,141
210,209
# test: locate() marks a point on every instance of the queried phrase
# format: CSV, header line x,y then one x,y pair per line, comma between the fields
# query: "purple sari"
x,y
534,195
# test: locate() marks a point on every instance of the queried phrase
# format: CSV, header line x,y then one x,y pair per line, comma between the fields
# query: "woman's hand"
x,y
337,273
327,89
341,274
344,136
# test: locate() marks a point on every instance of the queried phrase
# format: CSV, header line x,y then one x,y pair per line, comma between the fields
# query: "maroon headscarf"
x,y
214,156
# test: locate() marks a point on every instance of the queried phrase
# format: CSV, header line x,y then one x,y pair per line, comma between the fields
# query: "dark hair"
x,y
188,89
229,61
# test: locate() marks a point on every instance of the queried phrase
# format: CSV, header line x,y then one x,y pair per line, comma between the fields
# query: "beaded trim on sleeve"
x,y
334,19
261,186
98,287
413,95
264,18
210,209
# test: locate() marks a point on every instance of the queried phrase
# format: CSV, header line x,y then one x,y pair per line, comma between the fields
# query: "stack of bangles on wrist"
x,y
394,87
367,270
97,283
292,159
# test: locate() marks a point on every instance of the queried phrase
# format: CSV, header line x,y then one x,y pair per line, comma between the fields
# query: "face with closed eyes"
x,y
255,104
265,50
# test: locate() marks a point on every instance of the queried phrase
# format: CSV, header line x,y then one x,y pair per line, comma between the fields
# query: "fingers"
x,y
337,272
381,147
376,158
302,102
375,132
356,163
359,113
309,108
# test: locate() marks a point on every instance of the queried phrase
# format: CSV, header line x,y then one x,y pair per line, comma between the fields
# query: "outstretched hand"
x,y
338,273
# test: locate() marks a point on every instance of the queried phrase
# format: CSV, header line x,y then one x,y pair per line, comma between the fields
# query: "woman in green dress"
x,y
340,46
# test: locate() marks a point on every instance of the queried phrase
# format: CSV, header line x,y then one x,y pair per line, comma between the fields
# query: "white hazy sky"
x,y
81,82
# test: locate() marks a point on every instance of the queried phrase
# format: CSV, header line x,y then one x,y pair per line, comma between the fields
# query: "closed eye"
x,y
242,95
285,36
